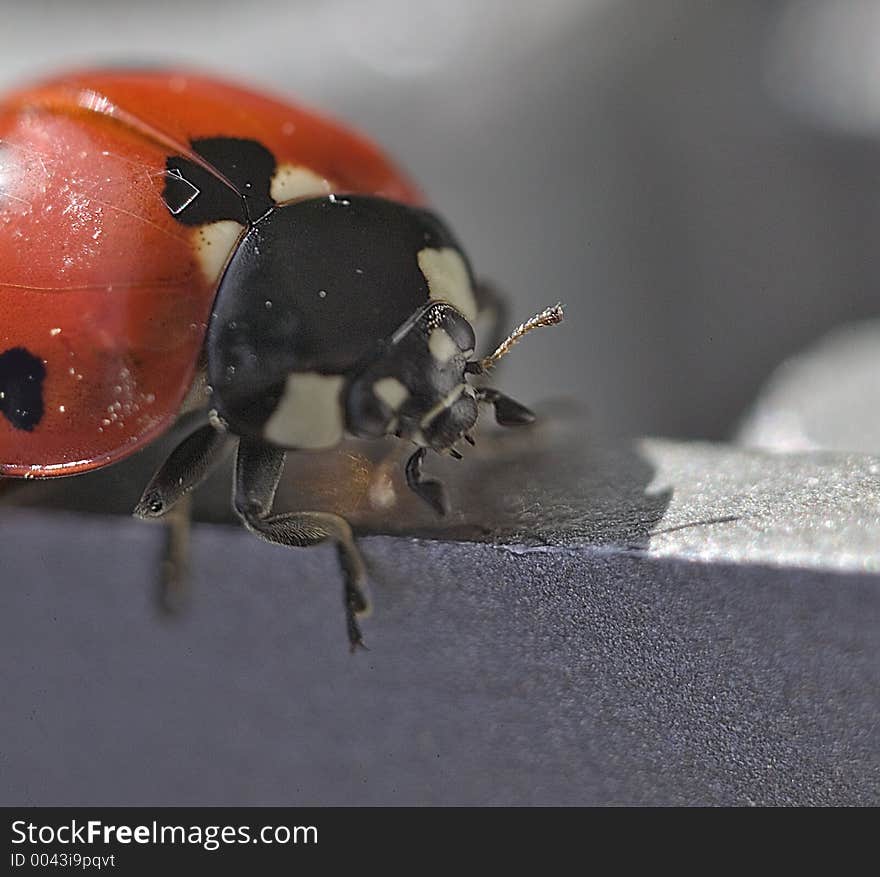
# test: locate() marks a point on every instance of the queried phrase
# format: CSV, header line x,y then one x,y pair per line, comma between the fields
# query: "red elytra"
x,y
97,279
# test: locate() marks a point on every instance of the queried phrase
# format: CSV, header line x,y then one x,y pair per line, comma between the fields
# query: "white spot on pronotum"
x,y
55,331
448,279
290,182
309,414
213,244
391,391
442,347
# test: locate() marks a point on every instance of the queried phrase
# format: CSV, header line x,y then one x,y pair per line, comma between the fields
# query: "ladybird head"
x,y
417,387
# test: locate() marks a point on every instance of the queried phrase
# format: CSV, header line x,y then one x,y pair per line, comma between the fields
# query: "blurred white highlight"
x,y
823,62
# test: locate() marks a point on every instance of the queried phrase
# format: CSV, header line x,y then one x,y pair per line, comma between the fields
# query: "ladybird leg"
x,y
508,412
258,468
167,497
428,489
174,576
187,466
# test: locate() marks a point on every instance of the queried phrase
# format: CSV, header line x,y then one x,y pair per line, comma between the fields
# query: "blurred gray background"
x,y
698,181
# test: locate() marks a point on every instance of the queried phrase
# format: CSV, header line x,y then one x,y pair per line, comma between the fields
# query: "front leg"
x,y
167,496
258,468
428,489
508,412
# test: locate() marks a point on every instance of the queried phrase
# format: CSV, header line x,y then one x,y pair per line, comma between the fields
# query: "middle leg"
x,y
258,469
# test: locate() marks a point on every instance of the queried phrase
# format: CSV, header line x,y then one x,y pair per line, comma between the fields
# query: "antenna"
x,y
548,317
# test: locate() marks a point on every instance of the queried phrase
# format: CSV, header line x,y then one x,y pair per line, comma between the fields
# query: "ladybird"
x,y
179,249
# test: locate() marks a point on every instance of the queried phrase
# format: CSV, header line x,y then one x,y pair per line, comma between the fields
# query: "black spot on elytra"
x,y
21,388
195,196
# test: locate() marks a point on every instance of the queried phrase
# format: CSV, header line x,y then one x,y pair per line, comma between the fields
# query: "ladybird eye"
x,y
459,330
372,405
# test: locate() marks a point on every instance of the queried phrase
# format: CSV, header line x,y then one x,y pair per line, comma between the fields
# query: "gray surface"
x,y
492,677
584,661
558,485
